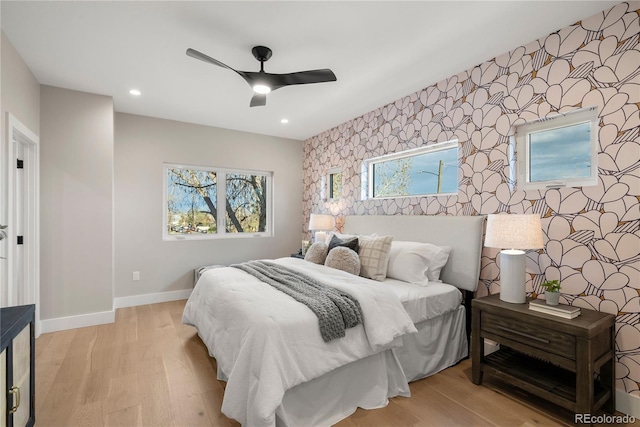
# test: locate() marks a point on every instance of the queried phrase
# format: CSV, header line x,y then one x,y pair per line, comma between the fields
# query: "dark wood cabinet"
x,y
567,361
17,366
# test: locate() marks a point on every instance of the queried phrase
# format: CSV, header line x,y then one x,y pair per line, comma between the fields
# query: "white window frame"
x,y
369,164
221,219
523,171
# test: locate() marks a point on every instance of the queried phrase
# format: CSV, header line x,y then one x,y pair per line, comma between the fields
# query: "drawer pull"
x,y
522,334
16,391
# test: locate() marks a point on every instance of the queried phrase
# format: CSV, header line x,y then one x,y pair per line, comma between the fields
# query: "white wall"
x,y
142,146
20,96
76,202
20,90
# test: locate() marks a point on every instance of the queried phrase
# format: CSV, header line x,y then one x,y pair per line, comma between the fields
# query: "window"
x,y
419,172
558,151
334,184
193,208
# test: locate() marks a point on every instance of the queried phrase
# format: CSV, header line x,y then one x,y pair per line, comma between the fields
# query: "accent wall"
x,y
592,237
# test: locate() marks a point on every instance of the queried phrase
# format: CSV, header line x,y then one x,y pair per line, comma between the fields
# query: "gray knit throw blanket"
x,y
336,311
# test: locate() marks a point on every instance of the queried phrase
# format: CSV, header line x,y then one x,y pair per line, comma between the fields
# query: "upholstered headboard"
x,y
462,233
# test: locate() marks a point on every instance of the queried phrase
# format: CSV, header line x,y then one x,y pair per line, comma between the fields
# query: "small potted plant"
x,y
552,291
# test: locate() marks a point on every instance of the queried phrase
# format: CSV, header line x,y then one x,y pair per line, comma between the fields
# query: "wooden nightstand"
x,y
546,355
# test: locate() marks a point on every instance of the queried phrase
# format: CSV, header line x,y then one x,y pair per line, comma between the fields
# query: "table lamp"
x,y
512,234
321,223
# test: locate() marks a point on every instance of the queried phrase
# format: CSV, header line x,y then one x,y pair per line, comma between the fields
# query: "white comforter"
x,y
265,342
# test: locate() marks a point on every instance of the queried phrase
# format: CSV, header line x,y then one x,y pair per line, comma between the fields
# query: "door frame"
x,y
18,133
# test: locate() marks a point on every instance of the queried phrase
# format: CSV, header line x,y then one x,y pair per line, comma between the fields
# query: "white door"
x,y
22,243
3,223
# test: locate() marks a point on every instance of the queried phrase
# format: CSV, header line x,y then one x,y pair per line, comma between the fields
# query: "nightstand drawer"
x,y
522,332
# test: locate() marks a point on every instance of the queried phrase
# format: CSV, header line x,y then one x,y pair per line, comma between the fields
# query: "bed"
x,y
270,352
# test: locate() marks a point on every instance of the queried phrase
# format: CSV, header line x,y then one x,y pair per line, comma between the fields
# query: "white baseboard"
x,y
628,403
79,321
103,317
135,300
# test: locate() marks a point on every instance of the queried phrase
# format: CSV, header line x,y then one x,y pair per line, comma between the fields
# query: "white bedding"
x,y
368,383
265,342
426,302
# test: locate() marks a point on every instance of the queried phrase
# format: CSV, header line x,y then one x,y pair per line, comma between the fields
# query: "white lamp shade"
x,y
514,232
321,222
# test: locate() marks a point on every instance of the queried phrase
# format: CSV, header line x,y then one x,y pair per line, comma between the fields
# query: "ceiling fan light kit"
x,y
262,82
264,89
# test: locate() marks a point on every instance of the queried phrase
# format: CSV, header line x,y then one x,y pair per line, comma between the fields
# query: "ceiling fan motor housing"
x,y
261,53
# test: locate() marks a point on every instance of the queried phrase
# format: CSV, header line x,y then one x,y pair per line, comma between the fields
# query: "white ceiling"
x,y
380,51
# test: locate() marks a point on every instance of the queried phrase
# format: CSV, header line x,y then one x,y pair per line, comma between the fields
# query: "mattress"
x,y
426,302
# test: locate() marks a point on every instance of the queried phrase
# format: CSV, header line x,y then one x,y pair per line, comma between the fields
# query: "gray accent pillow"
x,y
351,243
344,259
317,253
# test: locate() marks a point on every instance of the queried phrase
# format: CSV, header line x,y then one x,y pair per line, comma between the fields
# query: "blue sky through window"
x,y
560,153
424,172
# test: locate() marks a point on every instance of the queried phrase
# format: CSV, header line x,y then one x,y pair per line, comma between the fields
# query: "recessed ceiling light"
x,y
135,92
284,121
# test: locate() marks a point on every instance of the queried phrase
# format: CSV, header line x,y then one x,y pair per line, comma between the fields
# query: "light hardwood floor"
x,y
148,369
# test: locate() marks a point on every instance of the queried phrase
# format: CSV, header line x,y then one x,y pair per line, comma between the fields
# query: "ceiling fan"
x,y
262,82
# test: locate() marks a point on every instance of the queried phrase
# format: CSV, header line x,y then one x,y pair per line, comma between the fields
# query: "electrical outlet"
x,y
136,275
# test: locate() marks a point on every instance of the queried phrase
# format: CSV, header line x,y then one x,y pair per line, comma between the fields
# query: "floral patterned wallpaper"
x,y
592,234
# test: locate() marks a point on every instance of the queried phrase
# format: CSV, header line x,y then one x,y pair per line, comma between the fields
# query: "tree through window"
x,y
246,203
428,170
193,208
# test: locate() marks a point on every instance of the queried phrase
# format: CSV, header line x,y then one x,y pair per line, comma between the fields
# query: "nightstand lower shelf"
x,y
539,377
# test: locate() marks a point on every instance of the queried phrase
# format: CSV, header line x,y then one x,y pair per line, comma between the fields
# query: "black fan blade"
x,y
276,81
306,77
202,57
258,100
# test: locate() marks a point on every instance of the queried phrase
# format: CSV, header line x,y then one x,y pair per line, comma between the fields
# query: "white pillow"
x,y
416,262
374,256
408,266
437,263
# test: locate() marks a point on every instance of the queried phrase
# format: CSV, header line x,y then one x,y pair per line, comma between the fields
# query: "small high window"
x,y
430,170
203,202
334,184
559,151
